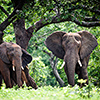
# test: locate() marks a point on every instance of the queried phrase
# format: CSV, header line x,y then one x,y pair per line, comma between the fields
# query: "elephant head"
x,y
13,54
73,48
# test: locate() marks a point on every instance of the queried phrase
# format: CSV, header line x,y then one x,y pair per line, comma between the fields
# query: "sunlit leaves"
x,y
51,93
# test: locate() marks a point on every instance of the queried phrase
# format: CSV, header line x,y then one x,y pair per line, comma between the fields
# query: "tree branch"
x,y
88,19
10,18
91,9
4,10
53,66
87,24
43,22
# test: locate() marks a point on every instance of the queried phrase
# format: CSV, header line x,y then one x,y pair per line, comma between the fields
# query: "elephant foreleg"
x,y
83,74
0,80
6,77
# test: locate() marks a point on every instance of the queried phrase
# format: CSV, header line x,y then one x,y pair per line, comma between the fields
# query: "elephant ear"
x,y
3,53
88,44
54,44
26,58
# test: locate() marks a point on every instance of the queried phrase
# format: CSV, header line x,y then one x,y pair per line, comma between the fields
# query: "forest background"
x,y
40,68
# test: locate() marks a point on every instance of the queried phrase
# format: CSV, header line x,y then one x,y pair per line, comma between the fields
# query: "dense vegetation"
x,y
40,68
41,60
51,93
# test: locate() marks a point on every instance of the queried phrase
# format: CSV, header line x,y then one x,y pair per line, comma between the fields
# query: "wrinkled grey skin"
x,y
11,59
10,53
25,77
74,49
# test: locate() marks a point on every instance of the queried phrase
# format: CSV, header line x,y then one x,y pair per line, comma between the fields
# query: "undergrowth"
x,y
89,92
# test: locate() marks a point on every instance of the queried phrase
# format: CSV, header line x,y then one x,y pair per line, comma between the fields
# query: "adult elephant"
x,y
25,77
11,56
74,49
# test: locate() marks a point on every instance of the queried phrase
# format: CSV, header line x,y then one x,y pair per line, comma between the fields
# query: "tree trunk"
x,y
21,34
53,66
22,38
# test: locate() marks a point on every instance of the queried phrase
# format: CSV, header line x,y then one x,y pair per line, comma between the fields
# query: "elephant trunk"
x,y
70,59
17,67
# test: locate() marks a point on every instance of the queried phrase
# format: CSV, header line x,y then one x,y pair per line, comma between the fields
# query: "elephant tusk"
x,y
13,68
22,67
62,65
79,62
27,67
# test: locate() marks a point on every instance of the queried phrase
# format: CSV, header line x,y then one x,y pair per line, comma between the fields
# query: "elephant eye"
x,y
67,41
64,38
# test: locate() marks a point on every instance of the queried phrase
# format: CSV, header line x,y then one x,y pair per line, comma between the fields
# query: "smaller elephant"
x,y
75,50
12,56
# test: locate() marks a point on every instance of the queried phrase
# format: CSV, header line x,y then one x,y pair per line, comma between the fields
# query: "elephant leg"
x,y
6,77
30,79
0,80
13,82
83,74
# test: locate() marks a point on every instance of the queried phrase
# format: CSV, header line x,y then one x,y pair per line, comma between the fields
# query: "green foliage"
x,y
9,38
94,65
40,68
51,93
39,71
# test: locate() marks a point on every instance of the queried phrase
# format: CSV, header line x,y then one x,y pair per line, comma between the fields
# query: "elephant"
x,y
25,77
12,57
75,50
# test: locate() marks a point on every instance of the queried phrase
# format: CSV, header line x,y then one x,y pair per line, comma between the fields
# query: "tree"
x,y
44,12
40,13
